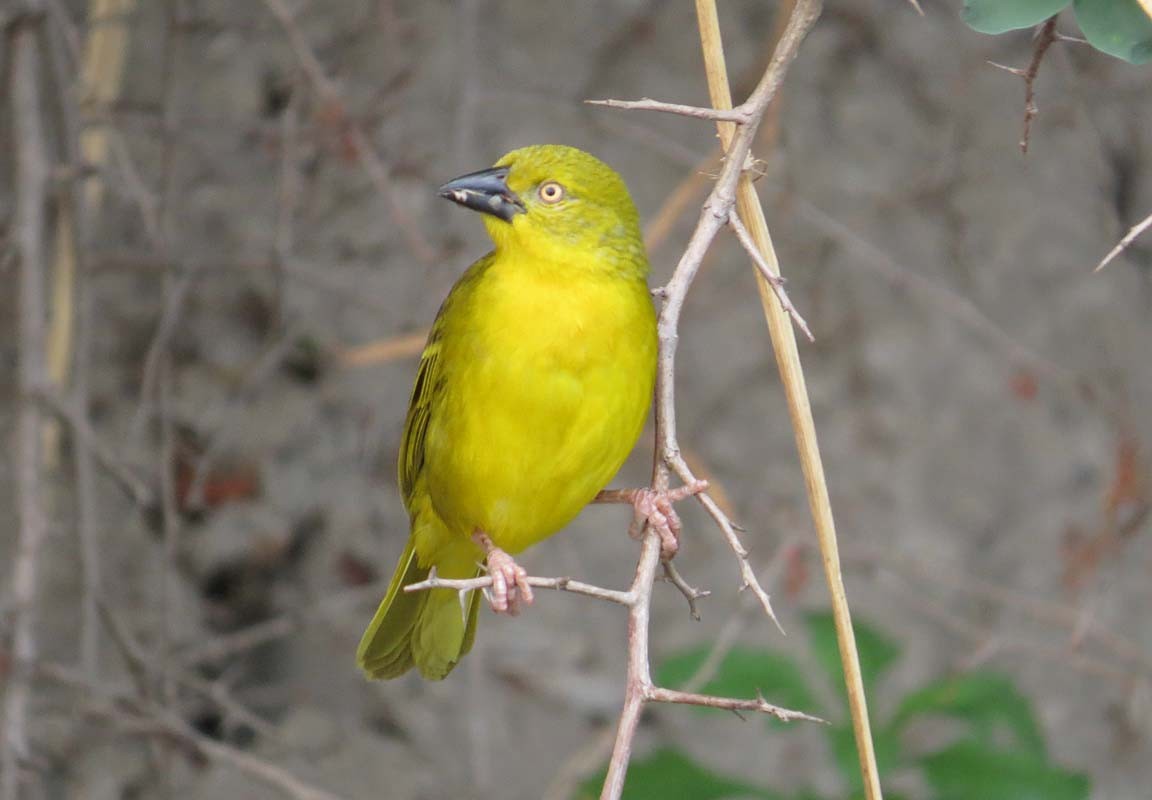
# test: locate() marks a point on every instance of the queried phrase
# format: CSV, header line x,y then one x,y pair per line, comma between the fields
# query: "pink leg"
x,y
509,579
655,508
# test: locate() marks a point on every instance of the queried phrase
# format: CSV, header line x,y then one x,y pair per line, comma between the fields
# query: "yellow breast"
x,y
545,395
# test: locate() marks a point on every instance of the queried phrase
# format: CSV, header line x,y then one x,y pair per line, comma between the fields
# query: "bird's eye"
x,y
551,192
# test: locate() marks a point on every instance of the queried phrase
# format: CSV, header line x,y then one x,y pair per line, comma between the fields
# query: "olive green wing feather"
x,y
430,381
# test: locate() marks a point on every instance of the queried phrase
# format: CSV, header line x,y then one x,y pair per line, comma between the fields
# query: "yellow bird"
x,y
531,392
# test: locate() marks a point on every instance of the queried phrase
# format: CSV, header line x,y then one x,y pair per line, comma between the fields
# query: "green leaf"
x,y
999,16
743,672
877,652
1119,28
985,700
671,775
842,742
968,770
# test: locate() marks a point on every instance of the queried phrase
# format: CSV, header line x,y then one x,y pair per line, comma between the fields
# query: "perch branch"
x,y
714,215
560,584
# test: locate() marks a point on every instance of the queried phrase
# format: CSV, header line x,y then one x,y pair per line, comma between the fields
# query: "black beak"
x,y
485,191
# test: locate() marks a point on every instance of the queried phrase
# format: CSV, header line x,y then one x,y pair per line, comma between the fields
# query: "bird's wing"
x,y
430,381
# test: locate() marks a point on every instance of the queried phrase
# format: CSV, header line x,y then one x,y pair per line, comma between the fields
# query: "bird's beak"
x,y
485,191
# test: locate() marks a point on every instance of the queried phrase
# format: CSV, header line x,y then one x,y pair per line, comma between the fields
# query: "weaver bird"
x,y
531,392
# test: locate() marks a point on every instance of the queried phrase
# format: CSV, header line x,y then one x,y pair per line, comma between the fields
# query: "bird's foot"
x,y
655,507
510,586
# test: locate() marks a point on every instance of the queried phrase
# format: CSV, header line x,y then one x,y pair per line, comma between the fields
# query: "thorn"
x,y
1015,71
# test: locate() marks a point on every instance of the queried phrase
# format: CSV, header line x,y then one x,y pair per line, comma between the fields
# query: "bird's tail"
x,y
430,629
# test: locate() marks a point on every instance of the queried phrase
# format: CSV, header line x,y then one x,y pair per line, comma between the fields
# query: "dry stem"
x,y
31,185
804,14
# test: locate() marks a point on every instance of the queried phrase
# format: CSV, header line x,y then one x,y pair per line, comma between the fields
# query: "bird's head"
x,y
556,202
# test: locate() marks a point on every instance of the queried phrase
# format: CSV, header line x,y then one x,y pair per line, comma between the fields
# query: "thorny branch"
x,y
1045,36
714,215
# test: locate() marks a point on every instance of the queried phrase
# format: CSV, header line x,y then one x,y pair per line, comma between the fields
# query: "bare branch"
x,y
231,644
728,528
1045,36
738,115
691,593
373,165
774,280
659,695
31,185
1129,237
117,468
141,717
560,584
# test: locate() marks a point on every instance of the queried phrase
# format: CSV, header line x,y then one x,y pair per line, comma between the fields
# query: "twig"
x,y
738,115
328,93
143,717
117,468
690,592
141,664
729,529
232,644
230,415
31,185
732,629
658,695
177,283
1129,237
433,581
1045,36
774,280
384,350
948,300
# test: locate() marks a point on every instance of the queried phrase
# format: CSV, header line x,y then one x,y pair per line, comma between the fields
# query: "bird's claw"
x,y
656,508
510,587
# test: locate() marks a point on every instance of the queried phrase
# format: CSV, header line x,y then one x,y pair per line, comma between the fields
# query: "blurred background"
x,y
243,248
